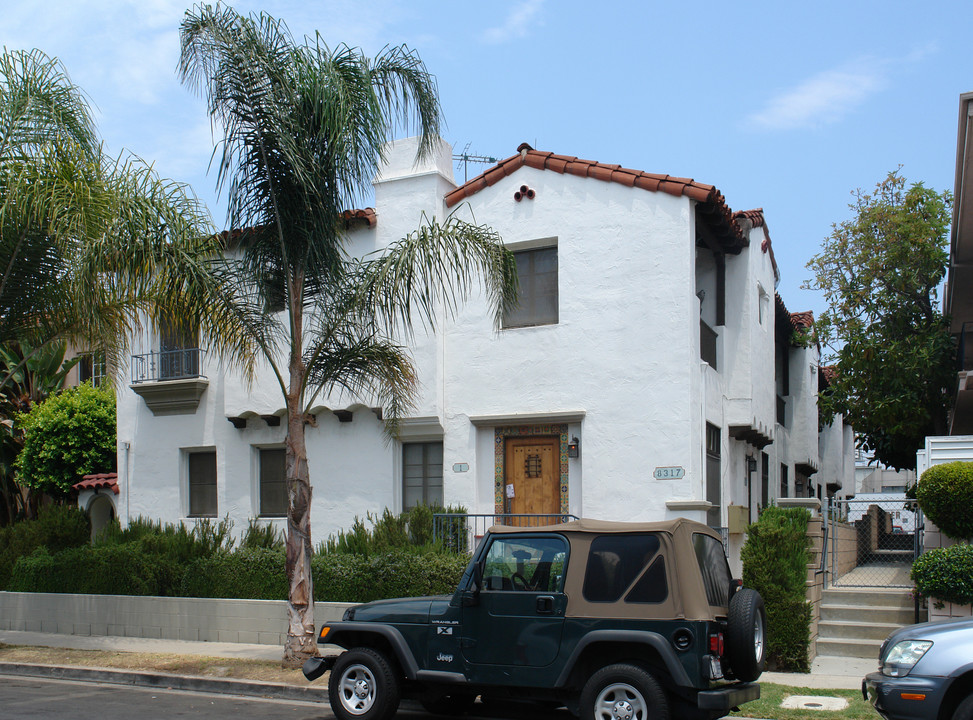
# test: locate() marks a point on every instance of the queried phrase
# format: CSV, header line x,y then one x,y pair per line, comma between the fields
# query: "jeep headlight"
x,y
903,657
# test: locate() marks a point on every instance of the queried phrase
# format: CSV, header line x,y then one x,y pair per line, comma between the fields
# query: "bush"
x,y
775,559
57,528
355,578
66,436
104,570
945,574
412,531
945,494
252,573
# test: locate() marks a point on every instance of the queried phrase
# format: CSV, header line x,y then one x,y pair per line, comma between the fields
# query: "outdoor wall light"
x,y
574,448
751,464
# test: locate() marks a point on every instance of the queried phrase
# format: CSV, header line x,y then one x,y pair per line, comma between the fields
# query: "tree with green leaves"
x,y
33,375
304,127
67,436
883,330
91,246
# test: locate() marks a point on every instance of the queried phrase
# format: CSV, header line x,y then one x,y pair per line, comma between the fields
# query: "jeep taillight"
x,y
716,644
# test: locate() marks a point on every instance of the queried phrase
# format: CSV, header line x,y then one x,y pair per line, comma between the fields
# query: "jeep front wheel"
x,y
363,686
746,634
623,692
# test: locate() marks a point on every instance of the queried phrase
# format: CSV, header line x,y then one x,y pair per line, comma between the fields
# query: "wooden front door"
x,y
532,476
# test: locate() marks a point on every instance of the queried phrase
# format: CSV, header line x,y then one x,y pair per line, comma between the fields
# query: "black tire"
x,y
440,704
964,711
623,692
363,686
746,635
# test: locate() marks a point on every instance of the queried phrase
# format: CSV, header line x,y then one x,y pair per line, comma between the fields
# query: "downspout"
x,y
126,446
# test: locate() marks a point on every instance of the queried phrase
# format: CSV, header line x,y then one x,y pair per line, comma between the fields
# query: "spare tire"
x,y
746,634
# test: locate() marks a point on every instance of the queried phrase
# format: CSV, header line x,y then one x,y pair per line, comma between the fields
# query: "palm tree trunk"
x,y
300,643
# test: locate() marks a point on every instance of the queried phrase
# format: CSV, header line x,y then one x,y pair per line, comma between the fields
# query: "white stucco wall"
x,y
621,368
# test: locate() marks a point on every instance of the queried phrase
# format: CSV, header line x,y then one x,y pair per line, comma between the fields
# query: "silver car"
x,y
925,671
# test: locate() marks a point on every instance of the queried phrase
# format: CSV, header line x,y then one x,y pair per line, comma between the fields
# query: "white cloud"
x,y
516,24
822,99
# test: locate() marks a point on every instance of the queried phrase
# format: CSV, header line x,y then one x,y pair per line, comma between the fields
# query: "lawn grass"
x,y
771,696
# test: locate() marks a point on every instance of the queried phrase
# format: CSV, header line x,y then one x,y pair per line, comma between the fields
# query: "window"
x,y
537,300
764,480
711,557
202,483
713,490
526,564
615,564
422,474
784,481
92,367
178,352
273,482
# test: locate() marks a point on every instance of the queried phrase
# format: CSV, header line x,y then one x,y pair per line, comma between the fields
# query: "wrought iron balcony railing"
x,y
166,365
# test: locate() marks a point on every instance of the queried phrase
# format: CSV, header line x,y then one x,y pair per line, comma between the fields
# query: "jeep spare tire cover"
x,y
746,634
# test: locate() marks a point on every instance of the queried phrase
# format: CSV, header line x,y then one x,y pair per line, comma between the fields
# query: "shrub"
x,y
252,573
342,577
775,559
57,527
945,574
262,536
412,531
66,436
104,570
945,494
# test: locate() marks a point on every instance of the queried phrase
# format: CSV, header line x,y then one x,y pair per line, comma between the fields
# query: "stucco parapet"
x,y
570,416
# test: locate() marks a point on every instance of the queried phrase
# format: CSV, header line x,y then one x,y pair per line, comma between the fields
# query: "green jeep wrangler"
x,y
616,621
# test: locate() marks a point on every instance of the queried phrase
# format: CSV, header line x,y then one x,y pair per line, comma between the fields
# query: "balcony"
x,y
707,344
169,381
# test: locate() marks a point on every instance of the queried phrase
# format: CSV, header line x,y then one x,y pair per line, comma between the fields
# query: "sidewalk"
x,y
826,672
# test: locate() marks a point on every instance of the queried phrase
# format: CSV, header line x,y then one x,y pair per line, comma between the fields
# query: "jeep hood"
x,y
402,610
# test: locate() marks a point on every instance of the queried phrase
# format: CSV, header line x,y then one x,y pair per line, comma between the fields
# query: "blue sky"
x,y
785,106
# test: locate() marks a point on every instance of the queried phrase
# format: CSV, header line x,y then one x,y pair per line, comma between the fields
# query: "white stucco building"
x,y
649,336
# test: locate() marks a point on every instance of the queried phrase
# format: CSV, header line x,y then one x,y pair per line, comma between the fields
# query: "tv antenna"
x,y
466,158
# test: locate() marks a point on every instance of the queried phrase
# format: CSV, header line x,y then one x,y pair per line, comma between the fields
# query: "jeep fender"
x,y
638,637
350,634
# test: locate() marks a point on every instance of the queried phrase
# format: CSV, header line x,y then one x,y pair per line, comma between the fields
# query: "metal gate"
x,y
872,541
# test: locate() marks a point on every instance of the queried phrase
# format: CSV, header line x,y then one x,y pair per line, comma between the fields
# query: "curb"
x,y
254,688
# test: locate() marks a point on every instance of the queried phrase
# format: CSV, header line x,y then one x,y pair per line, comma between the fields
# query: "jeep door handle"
x,y
545,604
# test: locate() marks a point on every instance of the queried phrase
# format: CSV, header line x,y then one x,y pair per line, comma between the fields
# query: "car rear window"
x,y
615,562
715,570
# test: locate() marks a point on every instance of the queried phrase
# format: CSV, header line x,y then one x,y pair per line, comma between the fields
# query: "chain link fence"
x,y
873,540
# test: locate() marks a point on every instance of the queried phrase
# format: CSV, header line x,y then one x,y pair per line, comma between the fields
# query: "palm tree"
x,y
91,246
303,133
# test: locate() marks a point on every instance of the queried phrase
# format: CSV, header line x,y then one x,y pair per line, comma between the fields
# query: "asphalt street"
x,y
44,699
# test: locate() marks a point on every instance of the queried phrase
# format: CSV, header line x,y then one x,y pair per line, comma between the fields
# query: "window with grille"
x,y
537,300
202,483
422,474
273,482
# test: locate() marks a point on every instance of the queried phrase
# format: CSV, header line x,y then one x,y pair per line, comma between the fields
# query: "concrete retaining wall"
x,y
207,619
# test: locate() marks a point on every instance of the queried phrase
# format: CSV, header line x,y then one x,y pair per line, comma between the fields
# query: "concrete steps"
x,y
855,622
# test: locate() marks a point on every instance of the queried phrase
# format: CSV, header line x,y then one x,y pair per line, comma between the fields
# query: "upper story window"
x,y
538,297
92,367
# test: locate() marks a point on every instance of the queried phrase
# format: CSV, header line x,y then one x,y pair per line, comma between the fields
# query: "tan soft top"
x,y
687,594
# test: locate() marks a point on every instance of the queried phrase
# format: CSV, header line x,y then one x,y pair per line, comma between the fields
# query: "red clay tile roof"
x,y
802,320
98,481
712,202
368,216
757,219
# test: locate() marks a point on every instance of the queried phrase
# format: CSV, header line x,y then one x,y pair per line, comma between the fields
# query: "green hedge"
x,y
108,570
775,559
57,528
945,574
945,494
248,573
